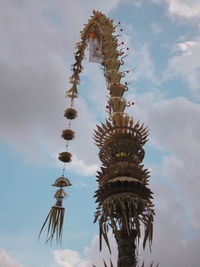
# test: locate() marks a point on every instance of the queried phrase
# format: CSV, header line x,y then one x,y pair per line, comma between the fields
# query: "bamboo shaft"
x,y
126,248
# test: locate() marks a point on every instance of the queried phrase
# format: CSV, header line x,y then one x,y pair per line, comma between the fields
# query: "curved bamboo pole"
x,y
124,200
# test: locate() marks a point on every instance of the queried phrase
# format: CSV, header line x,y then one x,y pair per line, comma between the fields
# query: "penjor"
x,y
123,197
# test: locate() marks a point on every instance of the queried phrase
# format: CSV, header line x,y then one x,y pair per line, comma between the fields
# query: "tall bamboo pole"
x,y
123,197
124,200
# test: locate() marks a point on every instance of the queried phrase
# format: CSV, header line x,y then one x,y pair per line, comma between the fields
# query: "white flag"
x,y
95,53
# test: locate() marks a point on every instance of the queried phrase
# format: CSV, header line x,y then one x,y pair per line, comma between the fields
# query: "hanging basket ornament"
x,y
55,218
68,134
65,157
70,113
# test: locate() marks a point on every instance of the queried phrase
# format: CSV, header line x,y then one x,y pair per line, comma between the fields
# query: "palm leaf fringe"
x,y
54,220
130,212
111,264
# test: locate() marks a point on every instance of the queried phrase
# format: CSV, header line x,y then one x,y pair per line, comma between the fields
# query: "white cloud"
x,y
185,8
144,65
186,47
138,59
182,8
96,257
79,166
33,79
175,129
69,258
186,65
92,255
36,41
7,261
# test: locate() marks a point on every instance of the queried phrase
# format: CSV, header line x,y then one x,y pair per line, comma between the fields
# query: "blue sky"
x,y
37,46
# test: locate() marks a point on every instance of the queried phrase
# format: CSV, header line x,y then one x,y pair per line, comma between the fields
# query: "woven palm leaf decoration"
x,y
55,217
124,200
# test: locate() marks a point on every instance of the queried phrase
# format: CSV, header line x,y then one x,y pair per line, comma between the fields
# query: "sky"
x,y
37,40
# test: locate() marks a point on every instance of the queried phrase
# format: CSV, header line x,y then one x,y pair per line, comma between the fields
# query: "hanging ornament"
x,y
65,157
73,93
68,134
70,113
55,217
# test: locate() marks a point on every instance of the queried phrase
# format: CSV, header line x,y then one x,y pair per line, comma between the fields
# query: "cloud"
x,y
7,261
79,166
183,8
37,52
186,47
170,239
186,65
91,255
37,41
69,258
144,65
175,129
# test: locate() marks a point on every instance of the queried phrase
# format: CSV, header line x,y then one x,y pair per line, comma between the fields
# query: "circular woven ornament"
x,y
70,113
68,134
65,157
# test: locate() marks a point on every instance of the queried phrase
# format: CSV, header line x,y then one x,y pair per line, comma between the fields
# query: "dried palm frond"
x,y
55,225
151,265
127,212
55,218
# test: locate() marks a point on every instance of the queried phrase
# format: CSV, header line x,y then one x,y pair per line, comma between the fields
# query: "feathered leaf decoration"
x,y
55,219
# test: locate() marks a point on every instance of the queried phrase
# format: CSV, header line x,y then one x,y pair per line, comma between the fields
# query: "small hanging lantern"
x,y
55,218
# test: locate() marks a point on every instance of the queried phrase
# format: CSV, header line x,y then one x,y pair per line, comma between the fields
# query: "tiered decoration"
x,y
124,200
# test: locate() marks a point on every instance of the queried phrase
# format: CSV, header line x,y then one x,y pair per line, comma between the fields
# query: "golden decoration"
x,y
70,113
68,134
65,157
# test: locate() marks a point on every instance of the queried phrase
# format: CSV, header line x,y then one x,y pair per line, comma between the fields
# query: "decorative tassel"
x,y
55,218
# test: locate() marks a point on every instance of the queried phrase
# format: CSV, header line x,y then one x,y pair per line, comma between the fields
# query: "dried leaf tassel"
x,y
55,218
